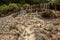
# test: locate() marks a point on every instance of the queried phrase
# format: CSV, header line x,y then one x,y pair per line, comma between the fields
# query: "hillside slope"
x,y
29,27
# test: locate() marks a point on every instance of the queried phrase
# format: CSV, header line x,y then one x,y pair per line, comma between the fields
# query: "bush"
x,y
12,6
26,5
3,8
19,5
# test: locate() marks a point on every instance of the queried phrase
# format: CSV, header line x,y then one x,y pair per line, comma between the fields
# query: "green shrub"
x,y
3,8
19,5
26,5
12,6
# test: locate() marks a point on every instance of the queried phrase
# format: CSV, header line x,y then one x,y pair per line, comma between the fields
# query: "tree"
x,y
23,1
55,1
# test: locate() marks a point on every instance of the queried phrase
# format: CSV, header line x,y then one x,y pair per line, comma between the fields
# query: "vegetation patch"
x,y
4,9
48,15
26,5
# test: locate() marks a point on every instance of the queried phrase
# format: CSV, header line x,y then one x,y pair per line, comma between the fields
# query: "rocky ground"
x,y
29,27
